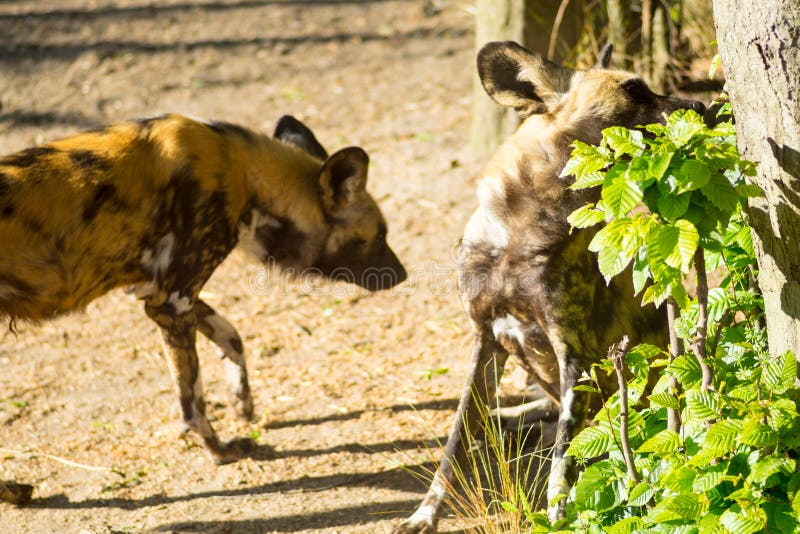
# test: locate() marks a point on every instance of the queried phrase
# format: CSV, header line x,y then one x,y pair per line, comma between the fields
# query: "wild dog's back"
x,y
77,214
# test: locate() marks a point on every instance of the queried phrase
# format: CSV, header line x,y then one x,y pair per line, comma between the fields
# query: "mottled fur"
x,y
157,204
530,286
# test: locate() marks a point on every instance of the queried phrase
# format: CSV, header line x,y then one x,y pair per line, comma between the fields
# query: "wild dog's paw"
x,y
415,526
233,450
14,493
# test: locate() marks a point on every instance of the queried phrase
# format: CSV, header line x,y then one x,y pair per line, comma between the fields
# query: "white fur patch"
x,y
248,240
157,261
557,483
508,326
566,406
180,304
485,225
423,514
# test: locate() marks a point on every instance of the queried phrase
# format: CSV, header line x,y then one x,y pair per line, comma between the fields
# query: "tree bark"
x,y
618,21
495,20
759,43
528,22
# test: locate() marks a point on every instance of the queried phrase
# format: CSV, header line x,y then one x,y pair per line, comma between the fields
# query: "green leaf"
x,y
585,159
673,206
691,175
757,434
796,503
641,494
620,195
683,126
721,436
679,479
585,216
657,293
686,505
596,488
509,507
721,193
628,525
687,243
664,399
768,466
641,273
781,517
745,240
686,369
737,522
585,181
702,405
663,247
624,141
710,478
611,262
718,303
749,190
780,373
592,441
639,170
664,441
659,164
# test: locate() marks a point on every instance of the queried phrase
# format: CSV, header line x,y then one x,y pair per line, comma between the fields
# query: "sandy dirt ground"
x,y
349,386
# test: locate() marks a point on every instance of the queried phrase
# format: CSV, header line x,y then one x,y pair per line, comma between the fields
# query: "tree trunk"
x,y
530,23
495,20
759,43
618,18
659,52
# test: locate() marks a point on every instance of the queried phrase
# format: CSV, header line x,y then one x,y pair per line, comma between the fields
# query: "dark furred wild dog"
x,y
531,288
157,204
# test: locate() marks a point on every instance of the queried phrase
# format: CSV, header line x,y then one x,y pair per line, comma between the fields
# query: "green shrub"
x,y
731,462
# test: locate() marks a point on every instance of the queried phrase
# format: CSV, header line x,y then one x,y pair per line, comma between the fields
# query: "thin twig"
x,y
31,454
551,47
727,316
617,354
699,345
675,349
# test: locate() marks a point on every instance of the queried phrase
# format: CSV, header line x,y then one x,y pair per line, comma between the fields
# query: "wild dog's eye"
x,y
637,89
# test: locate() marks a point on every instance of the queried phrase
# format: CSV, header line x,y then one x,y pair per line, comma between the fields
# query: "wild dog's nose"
x,y
698,107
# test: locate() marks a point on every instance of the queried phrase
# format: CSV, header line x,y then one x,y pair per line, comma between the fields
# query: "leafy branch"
x,y
716,446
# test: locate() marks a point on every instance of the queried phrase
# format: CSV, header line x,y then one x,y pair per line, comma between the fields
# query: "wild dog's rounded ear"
x,y
343,177
521,79
293,132
605,56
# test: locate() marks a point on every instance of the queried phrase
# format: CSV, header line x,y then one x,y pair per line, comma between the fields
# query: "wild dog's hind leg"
x,y
178,332
488,361
224,335
574,409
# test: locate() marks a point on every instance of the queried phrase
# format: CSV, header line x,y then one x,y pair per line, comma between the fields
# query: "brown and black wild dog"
x,y
157,204
531,287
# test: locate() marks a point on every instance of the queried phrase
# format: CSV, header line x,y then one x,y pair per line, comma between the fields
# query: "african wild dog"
x,y
157,204
530,286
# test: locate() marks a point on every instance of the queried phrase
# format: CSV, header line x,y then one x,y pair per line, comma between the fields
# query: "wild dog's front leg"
x,y
574,409
178,331
224,335
485,370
